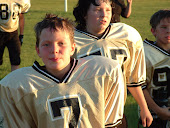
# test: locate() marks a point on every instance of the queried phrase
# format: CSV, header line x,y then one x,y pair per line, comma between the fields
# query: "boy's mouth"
x,y
168,37
103,22
54,59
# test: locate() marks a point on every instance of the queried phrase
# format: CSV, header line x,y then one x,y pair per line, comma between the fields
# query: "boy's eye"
x,y
97,9
46,44
163,27
60,43
108,10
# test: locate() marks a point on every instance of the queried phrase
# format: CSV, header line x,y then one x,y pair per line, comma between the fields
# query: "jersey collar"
x,y
95,37
153,44
41,69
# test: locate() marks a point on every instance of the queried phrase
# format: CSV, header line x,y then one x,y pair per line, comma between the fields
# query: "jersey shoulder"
x,y
124,31
154,54
101,61
15,77
24,79
98,65
151,48
25,5
82,38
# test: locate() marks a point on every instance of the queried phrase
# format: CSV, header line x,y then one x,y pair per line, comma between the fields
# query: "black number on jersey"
x,y
94,52
4,11
115,53
161,77
15,11
71,105
118,54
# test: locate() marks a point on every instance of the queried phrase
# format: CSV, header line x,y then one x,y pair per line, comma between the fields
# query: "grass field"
x,y
141,12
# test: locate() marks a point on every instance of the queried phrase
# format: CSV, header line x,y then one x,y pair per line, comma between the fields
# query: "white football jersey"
x,y
120,42
9,16
91,95
158,71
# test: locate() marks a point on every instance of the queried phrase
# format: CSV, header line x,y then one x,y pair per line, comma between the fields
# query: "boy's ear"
x,y
37,50
73,48
153,31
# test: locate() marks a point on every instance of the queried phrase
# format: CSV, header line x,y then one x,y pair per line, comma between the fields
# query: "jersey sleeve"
x,y
136,68
13,114
25,6
148,72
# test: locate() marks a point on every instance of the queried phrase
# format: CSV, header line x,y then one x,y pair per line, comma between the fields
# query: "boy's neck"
x,y
60,74
166,47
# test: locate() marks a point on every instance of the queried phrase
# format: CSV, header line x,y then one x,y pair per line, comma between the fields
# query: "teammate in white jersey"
x,y
12,16
157,53
94,35
65,92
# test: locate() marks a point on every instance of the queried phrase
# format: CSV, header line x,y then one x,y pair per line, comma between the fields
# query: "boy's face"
x,y
98,18
162,31
55,49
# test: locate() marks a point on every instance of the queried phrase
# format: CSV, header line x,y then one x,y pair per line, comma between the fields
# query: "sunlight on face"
x,y
55,49
98,17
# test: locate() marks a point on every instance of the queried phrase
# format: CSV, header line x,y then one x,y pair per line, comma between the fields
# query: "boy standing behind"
x,y
157,53
11,20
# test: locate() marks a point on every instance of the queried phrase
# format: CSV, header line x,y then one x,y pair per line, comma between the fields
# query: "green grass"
x,y
131,112
141,12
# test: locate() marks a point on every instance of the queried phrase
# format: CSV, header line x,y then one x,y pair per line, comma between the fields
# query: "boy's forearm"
x,y
138,96
21,23
145,114
163,113
151,103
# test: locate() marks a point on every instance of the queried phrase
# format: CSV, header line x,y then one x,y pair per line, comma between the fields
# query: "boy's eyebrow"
x,y
165,24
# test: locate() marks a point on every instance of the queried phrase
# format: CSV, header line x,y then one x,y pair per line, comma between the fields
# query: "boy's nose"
x,y
103,13
54,48
168,30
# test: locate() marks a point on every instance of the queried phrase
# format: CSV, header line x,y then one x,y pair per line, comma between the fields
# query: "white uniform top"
x,y
91,95
120,42
9,16
158,72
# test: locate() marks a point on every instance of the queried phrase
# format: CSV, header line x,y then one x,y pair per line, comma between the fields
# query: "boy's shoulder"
x,y
96,67
151,47
123,26
124,31
16,76
98,63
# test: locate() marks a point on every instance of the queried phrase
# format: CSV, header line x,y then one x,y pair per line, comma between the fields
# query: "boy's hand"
x,y
21,38
146,118
164,113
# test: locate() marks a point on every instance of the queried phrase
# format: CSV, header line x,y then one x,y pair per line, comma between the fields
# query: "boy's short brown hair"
x,y
158,16
54,23
81,9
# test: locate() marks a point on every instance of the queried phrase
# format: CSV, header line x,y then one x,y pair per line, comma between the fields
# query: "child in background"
x,y
94,35
11,21
157,53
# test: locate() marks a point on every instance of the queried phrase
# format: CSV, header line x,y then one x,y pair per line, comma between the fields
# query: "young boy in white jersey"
x,y
157,53
64,92
94,35
11,21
